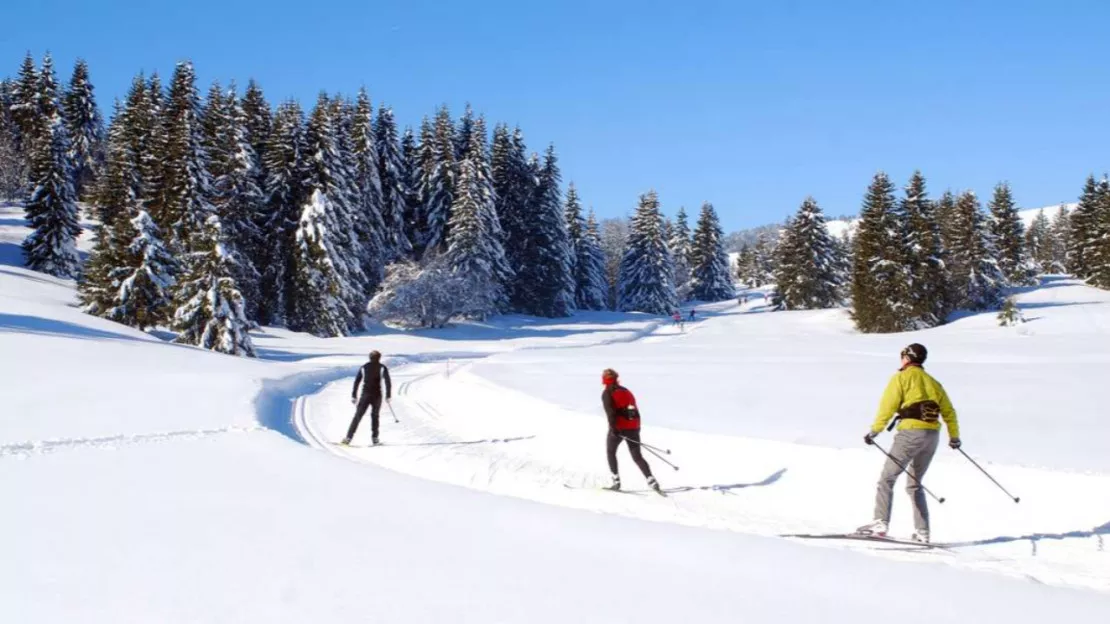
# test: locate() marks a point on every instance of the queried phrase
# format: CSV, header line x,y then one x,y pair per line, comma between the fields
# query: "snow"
x,y
148,481
839,227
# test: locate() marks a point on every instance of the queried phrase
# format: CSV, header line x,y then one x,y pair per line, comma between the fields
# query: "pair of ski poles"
x,y
927,491
654,450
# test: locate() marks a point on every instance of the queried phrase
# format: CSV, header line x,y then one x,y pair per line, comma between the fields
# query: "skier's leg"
x,y
611,444
884,491
375,412
923,450
359,412
637,454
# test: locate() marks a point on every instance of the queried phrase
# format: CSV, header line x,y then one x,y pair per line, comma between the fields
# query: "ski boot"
x,y
374,441
877,528
653,484
615,482
920,535
345,442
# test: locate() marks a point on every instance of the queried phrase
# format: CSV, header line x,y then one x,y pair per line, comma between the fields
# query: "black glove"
x,y
955,443
870,437
353,400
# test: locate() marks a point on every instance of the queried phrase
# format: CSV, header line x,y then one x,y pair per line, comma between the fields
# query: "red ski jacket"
x,y
620,407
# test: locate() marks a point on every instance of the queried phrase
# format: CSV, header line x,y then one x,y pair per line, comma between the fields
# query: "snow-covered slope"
x,y
150,482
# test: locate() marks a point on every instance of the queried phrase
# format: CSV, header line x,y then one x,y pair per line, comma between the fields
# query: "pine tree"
x,y
51,208
209,307
257,122
645,273
808,271
1009,235
946,220
143,276
928,286
710,280
1060,241
470,245
14,170
393,175
1082,236
463,133
410,184
1038,243
1100,249
977,279
546,275
86,129
185,185
25,111
880,299
437,186
284,161
679,243
593,286
513,186
378,241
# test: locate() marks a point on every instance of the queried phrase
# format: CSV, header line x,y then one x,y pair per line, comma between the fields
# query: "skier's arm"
x,y
610,409
388,383
358,380
888,405
948,413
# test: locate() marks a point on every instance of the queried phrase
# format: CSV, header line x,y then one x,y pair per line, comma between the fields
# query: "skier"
x,y
916,402
624,424
692,311
370,375
677,316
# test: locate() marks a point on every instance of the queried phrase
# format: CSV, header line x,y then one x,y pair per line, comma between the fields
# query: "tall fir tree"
x,y
25,111
646,282
614,242
679,242
471,247
1100,249
710,277
378,238
1009,235
946,219
463,133
1060,240
185,183
548,268
880,298
410,184
284,159
14,169
977,278
258,121
393,176
86,130
1038,242
928,285
808,272
1082,236
143,277
592,291
513,185
437,187
478,151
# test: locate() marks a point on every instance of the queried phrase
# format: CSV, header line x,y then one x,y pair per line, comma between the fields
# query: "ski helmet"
x,y
916,352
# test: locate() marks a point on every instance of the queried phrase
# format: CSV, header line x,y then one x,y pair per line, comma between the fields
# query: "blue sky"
x,y
749,105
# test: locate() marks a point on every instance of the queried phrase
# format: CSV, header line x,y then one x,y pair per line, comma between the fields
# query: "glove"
x,y
955,443
353,400
869,438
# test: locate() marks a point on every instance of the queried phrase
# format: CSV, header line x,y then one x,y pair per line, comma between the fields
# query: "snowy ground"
x,y
145,481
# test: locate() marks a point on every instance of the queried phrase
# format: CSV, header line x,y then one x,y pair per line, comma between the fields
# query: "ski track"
x,y
21,450
445,435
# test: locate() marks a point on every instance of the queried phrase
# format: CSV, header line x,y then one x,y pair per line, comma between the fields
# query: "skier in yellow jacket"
x,y
917,403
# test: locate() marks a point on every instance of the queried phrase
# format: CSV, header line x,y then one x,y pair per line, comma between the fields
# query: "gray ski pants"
x,y
914,449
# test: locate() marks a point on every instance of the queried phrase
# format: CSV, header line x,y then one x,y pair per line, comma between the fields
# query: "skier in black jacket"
x,y
370,376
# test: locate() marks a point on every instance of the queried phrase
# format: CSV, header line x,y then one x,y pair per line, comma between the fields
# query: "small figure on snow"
x,y
624,424
370,376
677,316
917,403
692,312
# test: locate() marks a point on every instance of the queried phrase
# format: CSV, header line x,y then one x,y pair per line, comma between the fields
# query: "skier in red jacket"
x,y
624,424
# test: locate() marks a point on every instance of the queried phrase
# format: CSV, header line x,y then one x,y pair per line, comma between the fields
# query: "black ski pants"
x,y
367,401
615,440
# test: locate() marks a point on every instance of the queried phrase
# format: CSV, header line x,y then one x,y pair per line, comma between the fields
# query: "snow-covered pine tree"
x,y
378,239
710,277
614,242
321,288
185,185
51,208
1009,235
547,272
977,280
410,184
645,271
86,129
437,186
946,220
463,133
668,229
808,271
144,275
257,122
1100,250
209,307
1083,232
479,153
25,111
392,173
152,125
1059,241
928,279
679,243
284,160
471,247
359,239
1038,242
763,261
593,287
238,200
513,187
880,299
14,169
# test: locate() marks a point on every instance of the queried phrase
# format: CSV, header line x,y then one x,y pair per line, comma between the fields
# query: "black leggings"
x,y
615,440
365,402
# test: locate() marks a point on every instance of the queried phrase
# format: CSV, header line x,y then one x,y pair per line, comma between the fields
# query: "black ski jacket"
x,y
371,376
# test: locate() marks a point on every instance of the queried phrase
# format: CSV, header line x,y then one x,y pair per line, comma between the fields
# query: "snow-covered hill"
x,y
145,481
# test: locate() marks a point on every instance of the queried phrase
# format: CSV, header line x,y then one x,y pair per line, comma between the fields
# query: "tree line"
x,y
219,214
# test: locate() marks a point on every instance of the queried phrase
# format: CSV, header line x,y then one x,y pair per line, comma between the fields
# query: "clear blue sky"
x,y
750,105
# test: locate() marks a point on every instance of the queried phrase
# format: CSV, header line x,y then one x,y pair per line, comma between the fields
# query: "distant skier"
x,y
370,375
692,312
677,316
916,402
624,424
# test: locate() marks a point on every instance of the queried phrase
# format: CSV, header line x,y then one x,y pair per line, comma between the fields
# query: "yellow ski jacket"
x,y
912,385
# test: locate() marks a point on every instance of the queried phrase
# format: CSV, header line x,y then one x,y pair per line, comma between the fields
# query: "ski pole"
x,y
646,445
1016,499
390,405
906,470
652,451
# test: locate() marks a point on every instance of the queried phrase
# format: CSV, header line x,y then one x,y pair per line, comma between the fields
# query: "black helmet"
x,y
916,352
